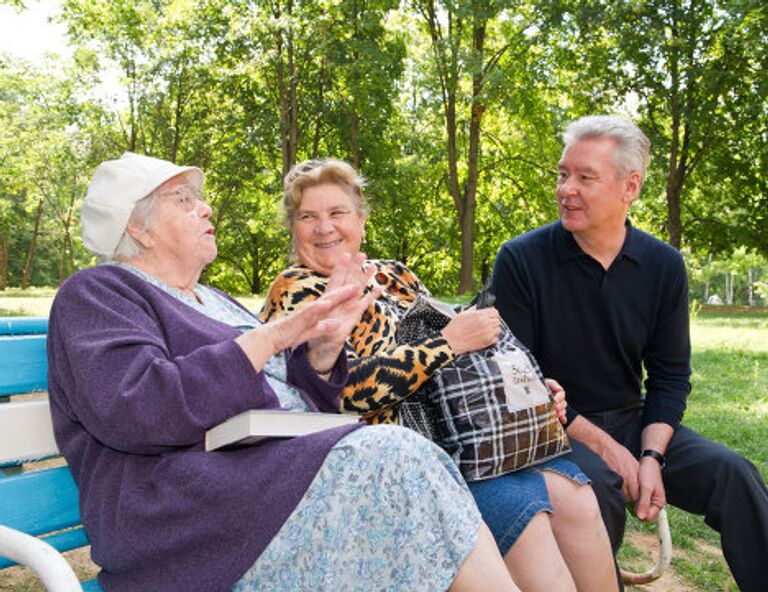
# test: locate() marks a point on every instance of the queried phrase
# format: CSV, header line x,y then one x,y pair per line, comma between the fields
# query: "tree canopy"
x,y
451,109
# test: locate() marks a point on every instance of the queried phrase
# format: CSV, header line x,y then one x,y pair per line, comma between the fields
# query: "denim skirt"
x,y
509,502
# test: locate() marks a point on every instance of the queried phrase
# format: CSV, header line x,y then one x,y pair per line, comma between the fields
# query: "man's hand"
x,y
617,457
473,329
653,498
652,495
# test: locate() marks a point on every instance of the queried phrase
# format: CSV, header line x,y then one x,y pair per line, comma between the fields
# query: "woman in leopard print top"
x,y
545,519
382,373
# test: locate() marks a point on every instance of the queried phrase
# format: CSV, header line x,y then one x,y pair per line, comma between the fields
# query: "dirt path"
x,y
671,581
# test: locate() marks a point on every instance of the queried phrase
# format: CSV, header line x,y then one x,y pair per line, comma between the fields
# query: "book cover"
x,y
255,425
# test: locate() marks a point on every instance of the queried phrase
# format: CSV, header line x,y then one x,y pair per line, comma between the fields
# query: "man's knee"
x,y
738,478
712,479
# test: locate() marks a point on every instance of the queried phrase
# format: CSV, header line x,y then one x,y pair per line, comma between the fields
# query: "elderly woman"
x,y
545,519
144,359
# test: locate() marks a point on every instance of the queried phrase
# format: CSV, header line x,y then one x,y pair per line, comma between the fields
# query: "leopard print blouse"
x,y
381,373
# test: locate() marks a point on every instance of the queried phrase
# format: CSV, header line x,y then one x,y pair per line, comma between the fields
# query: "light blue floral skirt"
x,y
388,510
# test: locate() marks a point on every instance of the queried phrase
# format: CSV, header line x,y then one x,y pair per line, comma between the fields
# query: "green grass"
x,y
35,302
728,404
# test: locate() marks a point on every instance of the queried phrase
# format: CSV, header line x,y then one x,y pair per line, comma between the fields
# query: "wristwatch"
x,y
655,454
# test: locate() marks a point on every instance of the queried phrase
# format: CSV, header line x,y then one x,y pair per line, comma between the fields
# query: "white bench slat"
x,y
27,431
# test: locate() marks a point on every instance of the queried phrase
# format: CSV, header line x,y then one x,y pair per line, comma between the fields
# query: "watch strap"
x,y
656,455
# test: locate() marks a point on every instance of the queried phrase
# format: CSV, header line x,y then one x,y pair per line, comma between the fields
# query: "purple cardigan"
x,y
135,378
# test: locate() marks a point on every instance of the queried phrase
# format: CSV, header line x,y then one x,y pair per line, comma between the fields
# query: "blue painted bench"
x,y
39,509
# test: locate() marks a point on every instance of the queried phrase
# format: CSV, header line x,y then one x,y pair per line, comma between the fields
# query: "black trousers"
x,y
701,477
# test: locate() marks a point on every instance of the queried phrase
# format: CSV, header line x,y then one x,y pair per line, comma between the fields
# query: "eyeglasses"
x,y
185,198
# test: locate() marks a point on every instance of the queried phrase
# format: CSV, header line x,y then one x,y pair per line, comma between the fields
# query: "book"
x,y
250,427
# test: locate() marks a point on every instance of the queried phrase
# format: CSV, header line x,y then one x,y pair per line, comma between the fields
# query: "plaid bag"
x,y
425,317
494,412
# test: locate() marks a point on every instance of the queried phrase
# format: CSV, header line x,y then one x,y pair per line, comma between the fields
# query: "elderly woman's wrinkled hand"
x,y
558,398
322,324
351,270
472,330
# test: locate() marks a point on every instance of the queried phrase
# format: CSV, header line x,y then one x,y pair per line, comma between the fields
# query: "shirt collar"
x,y
566,247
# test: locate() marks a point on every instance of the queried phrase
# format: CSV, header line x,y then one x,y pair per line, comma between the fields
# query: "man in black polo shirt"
x,y
597,300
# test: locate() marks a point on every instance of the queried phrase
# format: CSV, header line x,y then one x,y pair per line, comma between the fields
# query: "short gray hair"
x,y
142,215
317,172
632,145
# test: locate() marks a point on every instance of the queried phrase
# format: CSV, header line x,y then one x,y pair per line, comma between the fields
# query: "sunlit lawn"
x,y
33,302
37,301
729,404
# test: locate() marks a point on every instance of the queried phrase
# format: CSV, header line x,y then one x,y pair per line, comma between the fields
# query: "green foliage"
x,y
246,88
737,278
690,72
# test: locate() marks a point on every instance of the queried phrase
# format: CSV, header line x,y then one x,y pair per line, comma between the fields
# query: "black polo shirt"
x,y
594,330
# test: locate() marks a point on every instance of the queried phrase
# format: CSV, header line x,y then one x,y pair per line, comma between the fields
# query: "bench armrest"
x,y
49,565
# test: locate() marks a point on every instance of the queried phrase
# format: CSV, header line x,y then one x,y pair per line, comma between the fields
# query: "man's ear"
x,y
140,235
632,186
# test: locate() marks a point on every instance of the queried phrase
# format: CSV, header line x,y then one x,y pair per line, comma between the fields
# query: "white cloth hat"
x,y
115,188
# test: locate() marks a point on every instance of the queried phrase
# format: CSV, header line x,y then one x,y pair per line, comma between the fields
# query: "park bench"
x,y
39,509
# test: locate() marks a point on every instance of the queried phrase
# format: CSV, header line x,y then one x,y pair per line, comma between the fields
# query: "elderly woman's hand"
x,y
472,330
350,270
558,398
323,324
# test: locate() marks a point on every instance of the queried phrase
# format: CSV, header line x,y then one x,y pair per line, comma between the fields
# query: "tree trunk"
x,y
447,52
729,287
132,140
255,266
293,132
354,119
3,259
27,273
67,262
354,139
675,175
178,115
750,290
473,162
287,85
62,260
674,224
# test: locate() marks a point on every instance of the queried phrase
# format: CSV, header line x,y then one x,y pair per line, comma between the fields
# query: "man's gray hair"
x,y
142,215
632,145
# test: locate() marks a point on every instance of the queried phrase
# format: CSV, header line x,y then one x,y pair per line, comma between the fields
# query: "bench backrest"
x,y
43,502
